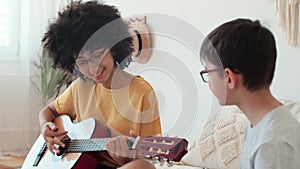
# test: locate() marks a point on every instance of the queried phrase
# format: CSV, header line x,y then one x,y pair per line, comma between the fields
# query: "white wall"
x,y
180,113
20,103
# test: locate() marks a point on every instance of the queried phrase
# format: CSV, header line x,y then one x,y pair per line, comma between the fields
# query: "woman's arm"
x,y
48,128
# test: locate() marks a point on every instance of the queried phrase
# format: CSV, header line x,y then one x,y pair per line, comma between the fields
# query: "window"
x,y
9,27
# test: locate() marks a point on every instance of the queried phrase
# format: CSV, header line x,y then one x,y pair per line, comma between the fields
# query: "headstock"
x,y
163,147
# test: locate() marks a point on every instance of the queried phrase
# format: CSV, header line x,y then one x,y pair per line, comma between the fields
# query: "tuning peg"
x,y
160,159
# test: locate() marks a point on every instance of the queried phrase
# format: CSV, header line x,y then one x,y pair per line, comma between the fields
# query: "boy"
x,y
240,56
102,90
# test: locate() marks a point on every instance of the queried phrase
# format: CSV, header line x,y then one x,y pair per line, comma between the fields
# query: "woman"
x,y
92,41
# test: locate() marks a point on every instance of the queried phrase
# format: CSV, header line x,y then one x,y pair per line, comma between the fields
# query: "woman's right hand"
x,y
50,133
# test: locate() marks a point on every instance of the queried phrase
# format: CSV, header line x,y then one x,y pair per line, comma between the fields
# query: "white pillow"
x,y
294,107
221,141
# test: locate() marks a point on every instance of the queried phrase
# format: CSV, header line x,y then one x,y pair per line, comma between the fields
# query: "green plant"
x,y
50,80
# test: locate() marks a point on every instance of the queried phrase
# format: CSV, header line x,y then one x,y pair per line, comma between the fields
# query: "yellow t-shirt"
x,y
133,107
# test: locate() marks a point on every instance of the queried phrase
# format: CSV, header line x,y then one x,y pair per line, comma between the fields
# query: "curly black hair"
x,y
75,26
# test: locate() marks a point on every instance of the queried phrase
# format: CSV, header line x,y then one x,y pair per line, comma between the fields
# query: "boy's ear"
x,y
231,78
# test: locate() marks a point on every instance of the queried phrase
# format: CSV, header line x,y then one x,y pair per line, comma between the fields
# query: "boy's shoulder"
x,y
280,124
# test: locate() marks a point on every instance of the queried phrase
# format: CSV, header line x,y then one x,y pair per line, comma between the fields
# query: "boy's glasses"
x,y
205,74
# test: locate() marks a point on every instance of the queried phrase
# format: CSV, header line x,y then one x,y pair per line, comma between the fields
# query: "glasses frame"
x,y
94,59
206,72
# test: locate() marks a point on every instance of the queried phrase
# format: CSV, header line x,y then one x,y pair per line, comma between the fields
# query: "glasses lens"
x,y
96,59
206,77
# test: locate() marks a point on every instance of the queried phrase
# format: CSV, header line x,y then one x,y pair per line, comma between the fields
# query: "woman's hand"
x,y
50,134
118,149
